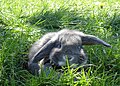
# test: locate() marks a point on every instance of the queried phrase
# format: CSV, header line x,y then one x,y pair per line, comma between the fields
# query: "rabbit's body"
x,y
56,47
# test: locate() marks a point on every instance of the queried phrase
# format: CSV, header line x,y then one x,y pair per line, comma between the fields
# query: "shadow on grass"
x,y
58,19
64,18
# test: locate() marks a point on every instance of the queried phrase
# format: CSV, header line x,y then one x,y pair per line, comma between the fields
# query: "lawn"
x,y
22,22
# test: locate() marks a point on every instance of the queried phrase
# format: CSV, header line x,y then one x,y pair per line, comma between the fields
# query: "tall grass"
x,y
22,22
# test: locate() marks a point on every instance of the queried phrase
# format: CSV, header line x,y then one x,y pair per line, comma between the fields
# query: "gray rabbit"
x,y
55,48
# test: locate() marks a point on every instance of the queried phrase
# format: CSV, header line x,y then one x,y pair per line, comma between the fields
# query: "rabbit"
x,y
55,48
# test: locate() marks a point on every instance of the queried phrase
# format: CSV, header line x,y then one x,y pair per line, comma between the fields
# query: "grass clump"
x,y
22,22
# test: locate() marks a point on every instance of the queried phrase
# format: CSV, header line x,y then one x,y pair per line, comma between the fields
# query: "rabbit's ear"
x,y
44,51
92,40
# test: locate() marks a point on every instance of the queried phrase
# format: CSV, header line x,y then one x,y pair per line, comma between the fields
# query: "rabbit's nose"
x,y
64,57
71,58
67,57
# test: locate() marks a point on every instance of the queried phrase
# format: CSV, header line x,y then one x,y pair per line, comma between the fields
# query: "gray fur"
x,y
53,49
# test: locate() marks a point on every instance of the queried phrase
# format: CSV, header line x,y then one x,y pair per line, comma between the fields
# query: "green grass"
x,y
22,22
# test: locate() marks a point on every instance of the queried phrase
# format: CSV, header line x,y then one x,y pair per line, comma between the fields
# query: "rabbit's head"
x,y
68,46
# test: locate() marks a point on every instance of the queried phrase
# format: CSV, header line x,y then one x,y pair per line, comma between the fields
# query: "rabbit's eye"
x,y
58,45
